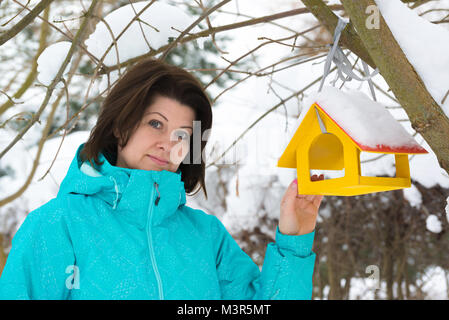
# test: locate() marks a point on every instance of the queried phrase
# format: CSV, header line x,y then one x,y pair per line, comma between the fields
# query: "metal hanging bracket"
x,y
344,68
320,121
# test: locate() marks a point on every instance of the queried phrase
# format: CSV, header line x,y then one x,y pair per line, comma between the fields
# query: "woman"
x,y
119,227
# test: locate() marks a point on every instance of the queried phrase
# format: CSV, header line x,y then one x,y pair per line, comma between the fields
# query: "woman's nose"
x,y
165,145
167,142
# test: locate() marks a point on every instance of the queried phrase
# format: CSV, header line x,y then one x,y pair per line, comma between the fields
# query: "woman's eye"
x,y
154,123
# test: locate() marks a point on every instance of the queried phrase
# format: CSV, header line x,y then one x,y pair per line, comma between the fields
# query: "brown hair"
x,y
125,104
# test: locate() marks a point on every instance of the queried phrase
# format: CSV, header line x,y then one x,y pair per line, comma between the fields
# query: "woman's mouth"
x,y
158,161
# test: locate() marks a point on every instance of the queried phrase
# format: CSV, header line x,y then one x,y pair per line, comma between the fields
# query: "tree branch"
x,y
207,32
349,37
67,36
416,3
425,115
50,90
33,72
11,33
46,130
251,52
282,102
189,28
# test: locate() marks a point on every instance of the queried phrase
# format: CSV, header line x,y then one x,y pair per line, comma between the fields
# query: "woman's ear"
x,y
116,134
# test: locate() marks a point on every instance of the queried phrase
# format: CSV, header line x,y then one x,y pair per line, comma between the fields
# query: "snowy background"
x,y
258,151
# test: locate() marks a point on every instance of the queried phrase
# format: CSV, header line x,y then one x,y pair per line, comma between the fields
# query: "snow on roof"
x,y
366,122
425,44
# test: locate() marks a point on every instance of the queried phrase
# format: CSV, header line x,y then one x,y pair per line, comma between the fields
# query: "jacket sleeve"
x,y
286,272
40,255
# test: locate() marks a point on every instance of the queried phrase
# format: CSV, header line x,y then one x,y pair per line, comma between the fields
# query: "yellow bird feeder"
x,y
322,143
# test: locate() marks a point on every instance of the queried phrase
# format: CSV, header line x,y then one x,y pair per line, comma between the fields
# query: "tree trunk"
x,y
425,115
388,250
388,271
332,265
348,37
407,284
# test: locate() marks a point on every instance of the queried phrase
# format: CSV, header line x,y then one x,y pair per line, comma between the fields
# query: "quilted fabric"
x,y
118,233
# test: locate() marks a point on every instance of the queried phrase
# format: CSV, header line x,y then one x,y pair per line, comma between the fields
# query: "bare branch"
x,y
114,41
282,102
33,72
189,28
208,32
4,37
64,135
68,37
66,92
209,24
9,98
100,65
259,74
139,21
254,50
15,14
77,114
349,37
49,92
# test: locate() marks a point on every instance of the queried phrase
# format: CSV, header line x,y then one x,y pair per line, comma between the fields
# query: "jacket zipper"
x,y
150,242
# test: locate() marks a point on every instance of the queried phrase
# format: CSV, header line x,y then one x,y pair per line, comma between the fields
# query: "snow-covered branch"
x,y
50,89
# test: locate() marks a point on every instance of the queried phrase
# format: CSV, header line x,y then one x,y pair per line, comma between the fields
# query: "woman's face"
x,y
163,133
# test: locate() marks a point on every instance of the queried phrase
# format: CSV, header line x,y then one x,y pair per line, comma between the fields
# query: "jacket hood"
x,y
126,191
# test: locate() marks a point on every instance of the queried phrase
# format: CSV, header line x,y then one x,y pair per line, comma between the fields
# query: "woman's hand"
x,y
299,212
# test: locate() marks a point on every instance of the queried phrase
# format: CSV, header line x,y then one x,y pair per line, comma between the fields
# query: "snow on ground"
x,y
433,285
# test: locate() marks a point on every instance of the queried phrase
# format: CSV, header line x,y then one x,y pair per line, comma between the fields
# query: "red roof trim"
x,y
379,148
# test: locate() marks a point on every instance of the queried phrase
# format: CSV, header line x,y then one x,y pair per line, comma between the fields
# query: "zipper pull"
x,y
158,194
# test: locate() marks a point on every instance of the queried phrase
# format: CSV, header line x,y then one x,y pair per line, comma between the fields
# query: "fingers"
x,y
317,201
308,199
305,199
289,195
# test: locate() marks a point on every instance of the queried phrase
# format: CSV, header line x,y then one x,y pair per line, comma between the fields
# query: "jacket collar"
x,y
128,192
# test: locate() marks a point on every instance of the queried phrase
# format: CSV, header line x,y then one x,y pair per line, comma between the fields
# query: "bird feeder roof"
x,y
366,122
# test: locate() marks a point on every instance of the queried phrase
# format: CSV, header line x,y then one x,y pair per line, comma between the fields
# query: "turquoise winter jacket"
x,y
118,233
